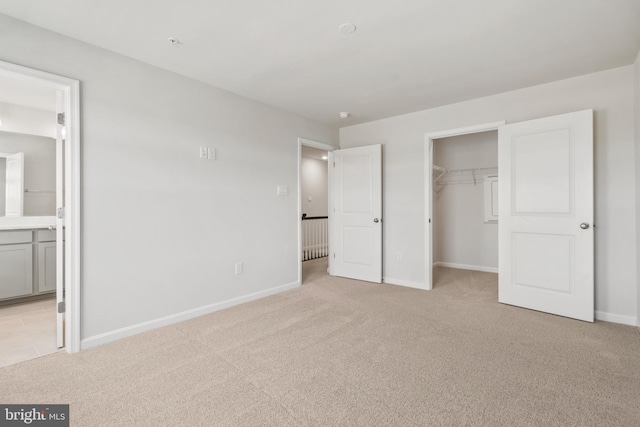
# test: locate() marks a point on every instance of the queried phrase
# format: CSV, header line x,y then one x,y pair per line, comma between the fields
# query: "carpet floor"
x,y
343,352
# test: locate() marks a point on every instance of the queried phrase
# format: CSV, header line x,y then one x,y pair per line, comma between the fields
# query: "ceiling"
x,y
405,56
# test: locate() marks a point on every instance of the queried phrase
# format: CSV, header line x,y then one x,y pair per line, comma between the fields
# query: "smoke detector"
x,y
347,28
343,115
173,41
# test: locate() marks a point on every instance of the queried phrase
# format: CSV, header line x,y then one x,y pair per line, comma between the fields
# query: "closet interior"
x,y
465,198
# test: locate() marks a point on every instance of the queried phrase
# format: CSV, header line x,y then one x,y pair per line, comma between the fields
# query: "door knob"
x,y
584,226
376,220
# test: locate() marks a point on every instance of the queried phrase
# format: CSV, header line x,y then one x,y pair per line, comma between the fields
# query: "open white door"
x,y
14,195
428,226
356,211
546,215
60,219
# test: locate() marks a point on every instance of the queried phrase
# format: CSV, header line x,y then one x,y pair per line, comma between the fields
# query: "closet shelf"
x,y
443,176
26,190
440,171
469,169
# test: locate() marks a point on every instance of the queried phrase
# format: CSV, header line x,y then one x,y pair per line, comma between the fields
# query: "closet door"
x,y
546,234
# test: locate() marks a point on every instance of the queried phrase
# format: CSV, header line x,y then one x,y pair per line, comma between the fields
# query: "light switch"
x,y
204,152
212,153
309,198
283,190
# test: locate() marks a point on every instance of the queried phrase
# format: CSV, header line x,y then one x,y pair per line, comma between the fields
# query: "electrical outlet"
x,y
238,268
204,152
399,256
211,153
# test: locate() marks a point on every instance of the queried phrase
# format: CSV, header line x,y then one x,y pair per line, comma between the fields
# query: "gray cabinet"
x,y
46,266
27,263
46,246
16,270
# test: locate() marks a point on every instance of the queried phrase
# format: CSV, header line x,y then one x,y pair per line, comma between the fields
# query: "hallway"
x,y
314,269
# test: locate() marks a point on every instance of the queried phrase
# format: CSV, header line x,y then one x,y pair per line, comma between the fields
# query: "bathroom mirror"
x,y
36,157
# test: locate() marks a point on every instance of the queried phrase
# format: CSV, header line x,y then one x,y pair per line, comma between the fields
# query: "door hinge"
x,y
60,213
429,220
61,307
61,120
334,164
334,255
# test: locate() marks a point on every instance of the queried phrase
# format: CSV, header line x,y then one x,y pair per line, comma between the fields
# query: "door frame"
x,y
72,270
428,190
320,146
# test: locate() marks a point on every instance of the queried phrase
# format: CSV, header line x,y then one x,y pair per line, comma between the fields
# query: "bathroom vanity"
x,y
27,263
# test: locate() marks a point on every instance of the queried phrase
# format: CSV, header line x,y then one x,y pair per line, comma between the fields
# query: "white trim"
x,y
71,89
330,207
72,220
108,337
616,318
315,144
466,267
428,192
319,146
484,127
401,282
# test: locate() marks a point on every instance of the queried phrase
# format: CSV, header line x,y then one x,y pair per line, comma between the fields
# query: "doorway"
x,y
28,195
465,221
313,209
432,175
41,230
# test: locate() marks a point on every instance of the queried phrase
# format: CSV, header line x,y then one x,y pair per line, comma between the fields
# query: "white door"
x,y
428,226
14,195
60,219
546,215
356,213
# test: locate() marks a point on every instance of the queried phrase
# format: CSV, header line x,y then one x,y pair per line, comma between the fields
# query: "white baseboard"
x,y
407,283
616,318
107,337
466,267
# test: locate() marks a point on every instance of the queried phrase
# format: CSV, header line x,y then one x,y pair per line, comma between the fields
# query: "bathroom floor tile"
x,y
27,331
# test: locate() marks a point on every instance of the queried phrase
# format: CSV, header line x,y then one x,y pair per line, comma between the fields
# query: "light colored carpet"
x,y
343,352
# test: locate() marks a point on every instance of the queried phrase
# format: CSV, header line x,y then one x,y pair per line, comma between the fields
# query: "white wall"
x,y
637,131
39,171
609,93
3,185
31,121
161,228
315,182
461,236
